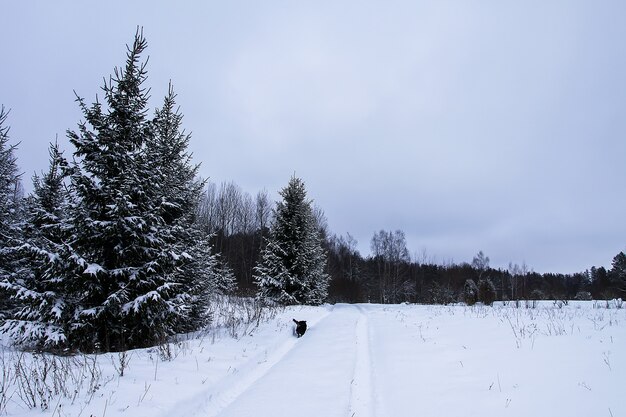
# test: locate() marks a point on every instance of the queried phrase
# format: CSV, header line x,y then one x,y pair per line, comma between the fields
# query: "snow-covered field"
x,y
360,360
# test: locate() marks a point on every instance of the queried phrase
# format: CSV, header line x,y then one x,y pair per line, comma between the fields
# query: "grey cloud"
x,y
496,126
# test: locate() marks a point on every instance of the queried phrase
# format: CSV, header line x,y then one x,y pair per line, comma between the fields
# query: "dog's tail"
x,y
295,321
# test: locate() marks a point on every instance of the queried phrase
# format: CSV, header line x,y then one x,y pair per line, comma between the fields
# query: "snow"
x,y
57,310
93,269
375,360
140,301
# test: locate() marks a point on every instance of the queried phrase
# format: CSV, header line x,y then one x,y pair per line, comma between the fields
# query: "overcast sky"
x,y
470,125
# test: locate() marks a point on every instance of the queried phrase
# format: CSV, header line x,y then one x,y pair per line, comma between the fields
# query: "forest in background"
x,y
237,223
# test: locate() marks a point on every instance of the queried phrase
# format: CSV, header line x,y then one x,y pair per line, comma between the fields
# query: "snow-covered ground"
x,y
371,360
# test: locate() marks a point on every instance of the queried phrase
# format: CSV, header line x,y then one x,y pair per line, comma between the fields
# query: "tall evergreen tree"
x,y
115,259
178,195
10,211
292,268
128,214
115,221
44,312
177,190
617,274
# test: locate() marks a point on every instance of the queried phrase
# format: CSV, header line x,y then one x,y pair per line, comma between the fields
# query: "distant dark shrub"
x,y
537,295
470,292
486,291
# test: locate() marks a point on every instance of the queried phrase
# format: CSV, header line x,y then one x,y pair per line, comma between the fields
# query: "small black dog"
x,y
300,327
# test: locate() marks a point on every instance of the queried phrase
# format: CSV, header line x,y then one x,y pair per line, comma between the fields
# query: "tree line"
x,y
389,274
122,245
389,278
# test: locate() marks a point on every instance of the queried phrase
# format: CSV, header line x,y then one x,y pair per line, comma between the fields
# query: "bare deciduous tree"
x,y
391,254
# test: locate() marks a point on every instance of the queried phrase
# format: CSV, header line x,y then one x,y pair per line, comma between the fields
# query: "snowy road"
x,y
316,376
393,361
327,372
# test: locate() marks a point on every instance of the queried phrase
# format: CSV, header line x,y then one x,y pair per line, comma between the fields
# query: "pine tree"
x,y
223,280
44,314
178,196
272,276
178,191
133,283
617,274
10,213
291,270
116,260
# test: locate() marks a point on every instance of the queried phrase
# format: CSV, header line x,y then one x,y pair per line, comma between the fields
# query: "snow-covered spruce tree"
x,y
45,312
223,278
10,213
132,287
617,273
291,270
178,195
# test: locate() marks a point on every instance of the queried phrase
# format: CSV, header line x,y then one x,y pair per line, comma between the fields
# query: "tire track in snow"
x,y
214,400
361,391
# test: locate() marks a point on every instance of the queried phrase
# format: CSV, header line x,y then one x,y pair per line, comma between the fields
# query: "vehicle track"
x,y
361,391
328,372
312,379
215,399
